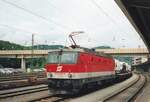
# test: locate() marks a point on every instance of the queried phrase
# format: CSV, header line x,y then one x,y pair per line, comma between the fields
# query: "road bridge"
x,y
43,53
24,54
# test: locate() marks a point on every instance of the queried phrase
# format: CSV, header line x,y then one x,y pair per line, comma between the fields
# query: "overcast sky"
x,y
51,21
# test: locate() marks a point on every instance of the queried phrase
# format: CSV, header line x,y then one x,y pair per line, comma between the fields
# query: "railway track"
x,y
128,94
55,98
21,80
84,97
21,91
135,83
40,93
21,83
21,76
24,94
144,95
37,93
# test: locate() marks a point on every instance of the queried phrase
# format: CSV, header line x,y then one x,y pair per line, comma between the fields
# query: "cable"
x,y
110,19
101,9
62,12
8,26
54,6
35,14
19,29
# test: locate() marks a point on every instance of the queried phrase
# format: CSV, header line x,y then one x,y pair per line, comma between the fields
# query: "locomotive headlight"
x,y
69,75
50,75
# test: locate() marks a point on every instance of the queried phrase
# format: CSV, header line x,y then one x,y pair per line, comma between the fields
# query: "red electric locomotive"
x,y
69,70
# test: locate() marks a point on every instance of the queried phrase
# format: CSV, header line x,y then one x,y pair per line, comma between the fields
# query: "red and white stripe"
x,y
78,75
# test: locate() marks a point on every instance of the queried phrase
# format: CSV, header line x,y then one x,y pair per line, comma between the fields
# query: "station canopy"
x,y
138,13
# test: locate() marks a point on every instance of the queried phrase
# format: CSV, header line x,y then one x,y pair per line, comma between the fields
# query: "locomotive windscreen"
x,y
62,58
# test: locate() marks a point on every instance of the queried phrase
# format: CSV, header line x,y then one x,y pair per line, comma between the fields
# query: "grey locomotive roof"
x,y
81,50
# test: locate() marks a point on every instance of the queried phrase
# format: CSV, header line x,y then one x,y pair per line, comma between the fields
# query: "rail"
x,y
127,94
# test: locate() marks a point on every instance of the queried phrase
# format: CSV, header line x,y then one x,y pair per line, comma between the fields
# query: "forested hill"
x,y
6,45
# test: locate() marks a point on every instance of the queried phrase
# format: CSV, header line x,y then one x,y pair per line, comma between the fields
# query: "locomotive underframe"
x,y
71,86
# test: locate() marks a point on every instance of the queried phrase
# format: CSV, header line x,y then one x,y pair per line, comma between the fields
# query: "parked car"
x,y
2,71
1,66
38,70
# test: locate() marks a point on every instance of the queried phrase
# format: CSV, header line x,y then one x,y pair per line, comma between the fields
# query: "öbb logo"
x,y
59,68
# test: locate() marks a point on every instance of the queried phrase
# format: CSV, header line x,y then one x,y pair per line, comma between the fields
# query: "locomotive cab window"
x,y
52,57
63,58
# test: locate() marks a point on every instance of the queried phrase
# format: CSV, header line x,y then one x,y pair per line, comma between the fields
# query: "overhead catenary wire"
x,y
35,14
19,29
109,17
16,28
26,31
62,12
54,6
105,13
44,18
